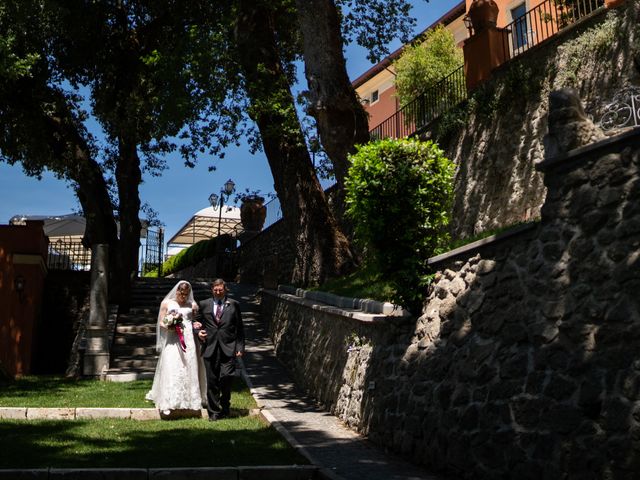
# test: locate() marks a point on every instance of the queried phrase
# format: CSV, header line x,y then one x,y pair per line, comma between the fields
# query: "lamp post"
x,y
227,189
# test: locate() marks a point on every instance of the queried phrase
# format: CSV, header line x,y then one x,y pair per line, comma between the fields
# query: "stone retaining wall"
x,y
526,361
268,258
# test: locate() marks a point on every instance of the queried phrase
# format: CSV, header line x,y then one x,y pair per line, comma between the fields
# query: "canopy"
x,y
203,225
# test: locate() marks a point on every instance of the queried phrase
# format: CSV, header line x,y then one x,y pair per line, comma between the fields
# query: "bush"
x,y
398,194
190,256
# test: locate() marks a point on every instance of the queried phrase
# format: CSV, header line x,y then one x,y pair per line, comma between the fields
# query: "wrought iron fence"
x,y
544,21
68,253
418,113
152,253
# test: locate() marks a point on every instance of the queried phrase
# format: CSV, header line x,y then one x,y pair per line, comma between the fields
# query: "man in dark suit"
x,y
222,338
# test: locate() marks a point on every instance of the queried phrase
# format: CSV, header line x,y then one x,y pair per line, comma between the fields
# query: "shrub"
x,y
190,256
398,194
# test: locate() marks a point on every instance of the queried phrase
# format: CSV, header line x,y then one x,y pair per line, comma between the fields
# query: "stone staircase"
x,y
133,353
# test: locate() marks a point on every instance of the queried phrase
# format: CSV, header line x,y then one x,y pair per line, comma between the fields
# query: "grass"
x,y
366,282
146,444
56,392
239,440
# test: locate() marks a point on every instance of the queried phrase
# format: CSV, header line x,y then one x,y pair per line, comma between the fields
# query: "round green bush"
x,y
398,195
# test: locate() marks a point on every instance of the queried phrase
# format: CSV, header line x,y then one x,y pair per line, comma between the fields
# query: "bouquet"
x,y
173,319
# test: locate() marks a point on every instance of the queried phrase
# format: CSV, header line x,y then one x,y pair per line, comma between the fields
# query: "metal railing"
x,y
67,253
418,113
544,21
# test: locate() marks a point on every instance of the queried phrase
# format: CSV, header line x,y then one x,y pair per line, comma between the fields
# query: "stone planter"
x,y
253,213
483,15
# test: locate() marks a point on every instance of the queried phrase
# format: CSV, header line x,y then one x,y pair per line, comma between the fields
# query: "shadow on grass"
x,y
126,443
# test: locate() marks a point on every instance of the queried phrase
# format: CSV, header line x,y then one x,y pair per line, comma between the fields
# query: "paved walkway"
x,y
319,436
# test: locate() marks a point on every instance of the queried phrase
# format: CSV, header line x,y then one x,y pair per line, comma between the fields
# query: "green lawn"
x,y
239,440
153,443
53,391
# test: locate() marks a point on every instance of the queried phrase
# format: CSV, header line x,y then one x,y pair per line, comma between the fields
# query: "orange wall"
x,y
383,108
23,252
505,6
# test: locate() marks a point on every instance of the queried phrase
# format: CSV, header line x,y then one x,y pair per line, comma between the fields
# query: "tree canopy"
x,y
162,76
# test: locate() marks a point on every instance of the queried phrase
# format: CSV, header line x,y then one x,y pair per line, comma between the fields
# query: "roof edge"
x,y
445,19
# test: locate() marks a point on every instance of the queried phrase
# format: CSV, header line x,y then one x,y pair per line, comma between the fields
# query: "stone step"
x,y
131,362
139,339
134,350
118,375
142,328
133,355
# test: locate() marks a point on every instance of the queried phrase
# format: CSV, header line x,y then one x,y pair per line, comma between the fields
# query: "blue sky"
x,y
180,191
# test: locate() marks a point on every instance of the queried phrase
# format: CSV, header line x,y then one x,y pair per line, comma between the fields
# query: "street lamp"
x,y
227,189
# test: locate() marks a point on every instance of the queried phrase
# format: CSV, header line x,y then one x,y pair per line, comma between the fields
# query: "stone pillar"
x,y
483,52
96,357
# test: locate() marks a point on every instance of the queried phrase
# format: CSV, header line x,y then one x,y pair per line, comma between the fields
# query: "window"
x,y
374,96
519,26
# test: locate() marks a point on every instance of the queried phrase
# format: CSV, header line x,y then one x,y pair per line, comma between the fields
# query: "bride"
x,y
179,380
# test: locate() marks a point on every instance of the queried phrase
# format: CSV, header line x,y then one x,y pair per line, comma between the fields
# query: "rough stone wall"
x,y
268,258
496,138
526,361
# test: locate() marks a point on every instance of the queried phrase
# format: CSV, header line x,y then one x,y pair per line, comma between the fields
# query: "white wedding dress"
x,y
179,382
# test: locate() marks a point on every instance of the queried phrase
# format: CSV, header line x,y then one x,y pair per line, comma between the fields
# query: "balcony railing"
x,y
418,113
526,31
544,21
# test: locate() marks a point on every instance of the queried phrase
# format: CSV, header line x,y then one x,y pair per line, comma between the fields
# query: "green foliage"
x,y
592,45
190,256
366,282
423,65
398,194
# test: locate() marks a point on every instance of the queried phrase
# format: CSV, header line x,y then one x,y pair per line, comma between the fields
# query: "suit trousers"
x,y
220,370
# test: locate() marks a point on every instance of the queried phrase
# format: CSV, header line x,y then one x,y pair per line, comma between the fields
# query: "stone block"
x,y
88,413
98,474
145,414
204,473
51,413
286,472
13,413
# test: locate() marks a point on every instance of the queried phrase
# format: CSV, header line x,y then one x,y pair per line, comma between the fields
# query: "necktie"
x,y
218,311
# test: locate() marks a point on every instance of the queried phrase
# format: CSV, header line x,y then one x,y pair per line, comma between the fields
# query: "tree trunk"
x,y
322,251
65,138
91,188
342,122
128,178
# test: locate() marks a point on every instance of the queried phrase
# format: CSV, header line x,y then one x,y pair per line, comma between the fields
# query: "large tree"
x,y
341,121
151,67
322,250
43,126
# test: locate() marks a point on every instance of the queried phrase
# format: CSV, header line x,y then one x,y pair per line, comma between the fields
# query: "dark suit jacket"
x,y
229,335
